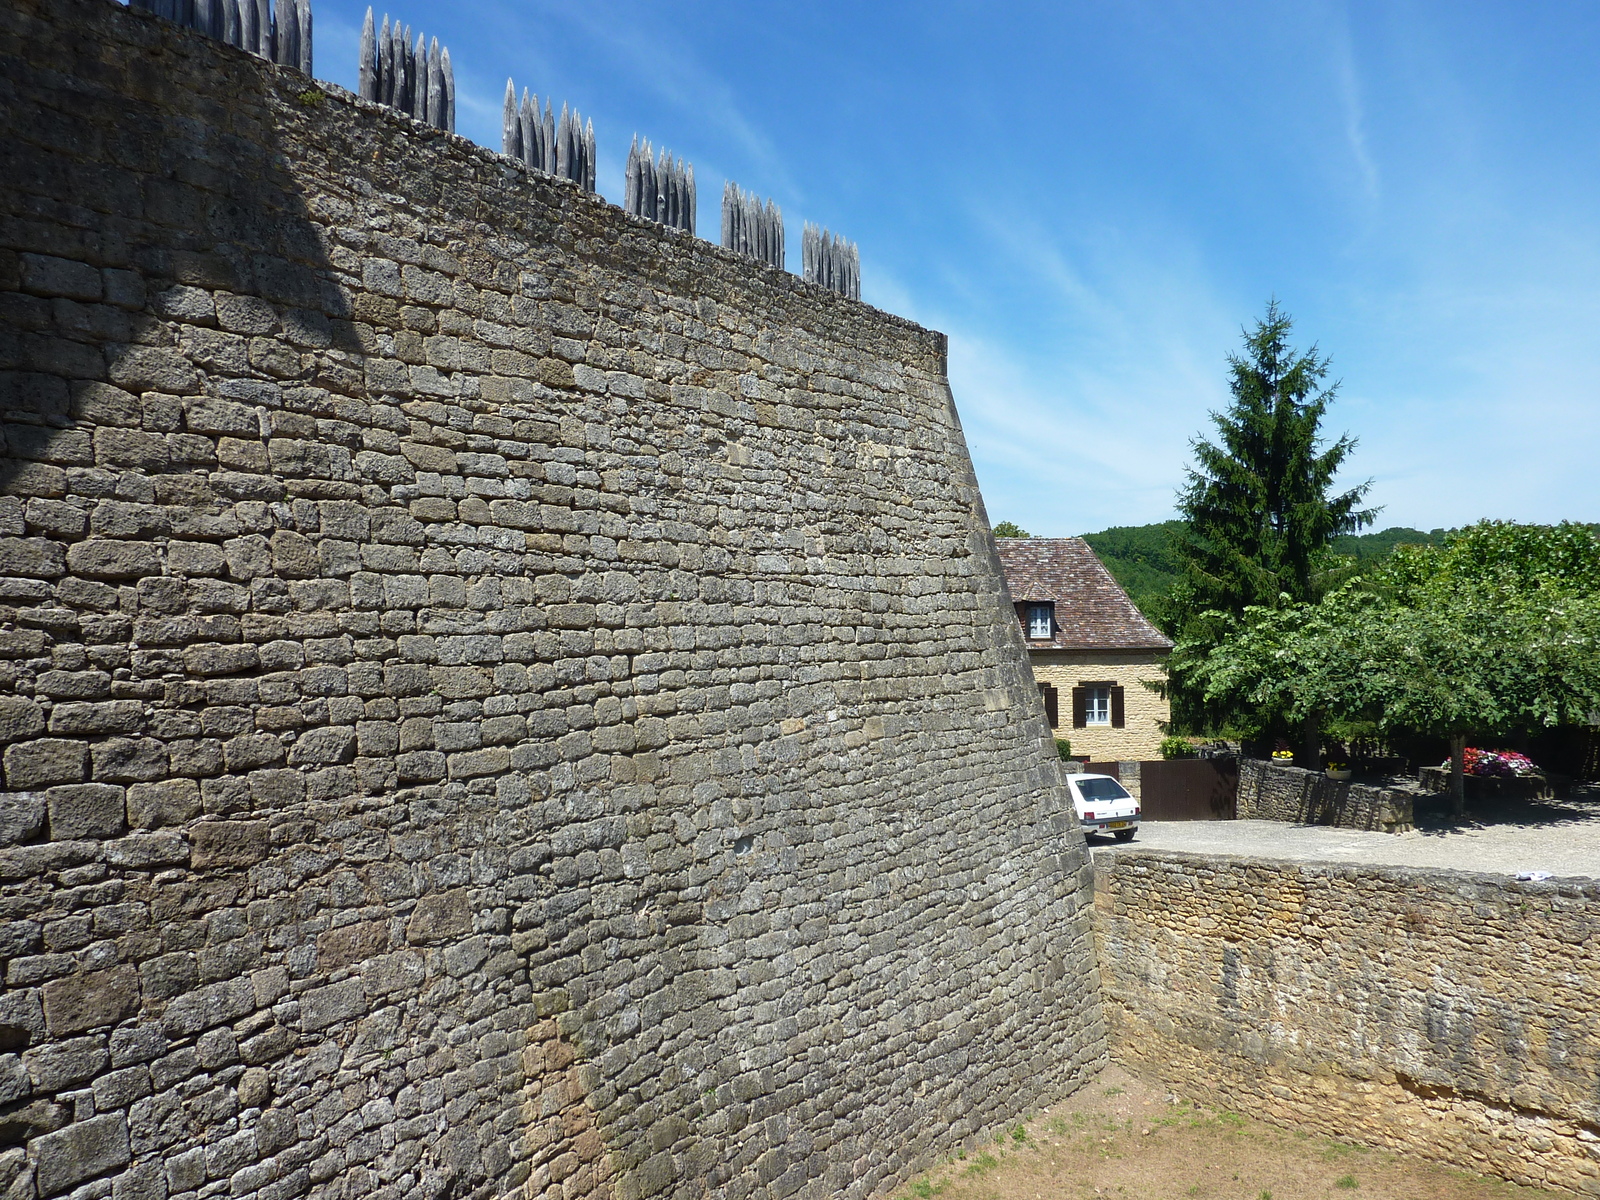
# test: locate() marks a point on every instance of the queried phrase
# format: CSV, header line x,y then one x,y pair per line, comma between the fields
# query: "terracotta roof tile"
x,y
1092,610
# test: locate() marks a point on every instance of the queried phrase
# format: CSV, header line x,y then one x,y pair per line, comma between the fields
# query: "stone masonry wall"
x,y
1145,712
1446,1014
499,698
1270,791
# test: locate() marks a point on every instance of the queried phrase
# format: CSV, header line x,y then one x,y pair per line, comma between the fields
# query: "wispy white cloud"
x,y
1348,82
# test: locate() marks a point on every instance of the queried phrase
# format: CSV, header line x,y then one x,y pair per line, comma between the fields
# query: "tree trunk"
x,y
1458,782
1310,756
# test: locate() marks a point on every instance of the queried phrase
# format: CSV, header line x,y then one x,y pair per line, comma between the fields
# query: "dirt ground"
x,y
1122,1138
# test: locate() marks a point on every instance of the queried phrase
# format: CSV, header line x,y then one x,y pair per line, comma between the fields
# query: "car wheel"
x,y
1124,835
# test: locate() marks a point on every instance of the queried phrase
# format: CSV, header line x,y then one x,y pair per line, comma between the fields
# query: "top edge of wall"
x,y
1108,857
288,80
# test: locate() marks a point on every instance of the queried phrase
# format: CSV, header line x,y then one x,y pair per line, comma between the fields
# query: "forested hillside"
x,y
1144,558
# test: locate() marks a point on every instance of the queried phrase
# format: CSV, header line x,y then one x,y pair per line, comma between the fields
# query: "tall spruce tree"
x,y
1259,508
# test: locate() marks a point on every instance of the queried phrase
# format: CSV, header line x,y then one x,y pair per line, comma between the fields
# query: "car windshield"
x,y
1102,789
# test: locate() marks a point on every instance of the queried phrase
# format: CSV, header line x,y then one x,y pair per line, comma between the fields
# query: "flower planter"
x,y
1339,776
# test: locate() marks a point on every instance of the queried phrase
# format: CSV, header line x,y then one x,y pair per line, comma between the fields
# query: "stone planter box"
x,y
1482,787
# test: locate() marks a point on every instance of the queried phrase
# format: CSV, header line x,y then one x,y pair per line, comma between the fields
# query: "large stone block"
x,y
36,558
229,843
113,560
21,817
85,810
81,1151
45,761
90,999
440,918
168,802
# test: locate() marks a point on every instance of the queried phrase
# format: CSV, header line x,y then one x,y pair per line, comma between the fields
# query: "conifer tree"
x,y
1259,510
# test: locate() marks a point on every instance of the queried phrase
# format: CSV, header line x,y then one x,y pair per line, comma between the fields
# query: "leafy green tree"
x,y
1010,529
1494,634
1260,509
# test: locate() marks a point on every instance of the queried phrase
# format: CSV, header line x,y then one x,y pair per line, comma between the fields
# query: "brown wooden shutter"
x,y
1080,707
1022,616
1052,710
1118,712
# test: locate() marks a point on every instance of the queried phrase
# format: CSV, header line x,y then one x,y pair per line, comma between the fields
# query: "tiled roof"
x,y
1092,610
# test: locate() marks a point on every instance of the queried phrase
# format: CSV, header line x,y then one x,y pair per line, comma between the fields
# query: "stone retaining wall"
x,y
498,697
1269,791
1441,1013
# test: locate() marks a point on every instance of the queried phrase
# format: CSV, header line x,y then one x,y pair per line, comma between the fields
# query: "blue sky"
x,y
1092,198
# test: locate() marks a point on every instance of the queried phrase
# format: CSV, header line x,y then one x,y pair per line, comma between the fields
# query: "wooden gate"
x,y
1189,789
1183,789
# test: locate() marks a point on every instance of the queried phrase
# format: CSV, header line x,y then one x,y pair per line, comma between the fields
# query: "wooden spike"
x,y
588,157
510,127
286,30
385,79
435,86
630,179
649,192
691,197
232,31
395,76
425,82
563,144
305,36
530,135
369,59
247,25
420,74
450,92
402,67
267,42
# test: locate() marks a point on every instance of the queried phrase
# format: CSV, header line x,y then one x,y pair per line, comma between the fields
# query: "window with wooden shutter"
x,y
1118,711
1052,710
1096,703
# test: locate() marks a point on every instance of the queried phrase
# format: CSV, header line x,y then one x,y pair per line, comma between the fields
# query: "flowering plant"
x,y
1338,766
1495,764
1282,755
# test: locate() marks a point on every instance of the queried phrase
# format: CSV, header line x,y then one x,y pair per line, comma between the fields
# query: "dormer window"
x,y
1041,621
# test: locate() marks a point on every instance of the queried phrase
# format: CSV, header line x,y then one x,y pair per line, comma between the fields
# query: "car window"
x,y
1102,789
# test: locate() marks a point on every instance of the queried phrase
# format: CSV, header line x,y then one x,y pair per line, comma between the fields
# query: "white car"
x,y
1104,806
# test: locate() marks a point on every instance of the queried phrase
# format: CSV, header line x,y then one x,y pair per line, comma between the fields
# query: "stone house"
x,y
1091,649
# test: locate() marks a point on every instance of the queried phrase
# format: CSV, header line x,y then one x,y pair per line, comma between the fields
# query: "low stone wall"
x,y
1270,792
1441,1013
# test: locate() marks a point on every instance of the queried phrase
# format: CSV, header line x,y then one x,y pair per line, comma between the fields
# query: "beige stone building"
x,y
1093,651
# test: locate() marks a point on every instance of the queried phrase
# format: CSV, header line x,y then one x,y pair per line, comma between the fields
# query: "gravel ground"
x,y
1561,837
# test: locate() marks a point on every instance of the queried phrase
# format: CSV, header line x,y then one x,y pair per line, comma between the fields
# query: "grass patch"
x,y
983,1163
1346,1181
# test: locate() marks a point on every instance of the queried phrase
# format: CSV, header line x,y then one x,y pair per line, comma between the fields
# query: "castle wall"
x,y
498,698
1441,1013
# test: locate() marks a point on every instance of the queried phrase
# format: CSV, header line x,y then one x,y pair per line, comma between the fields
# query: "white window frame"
x,y
1041,617
1097,705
